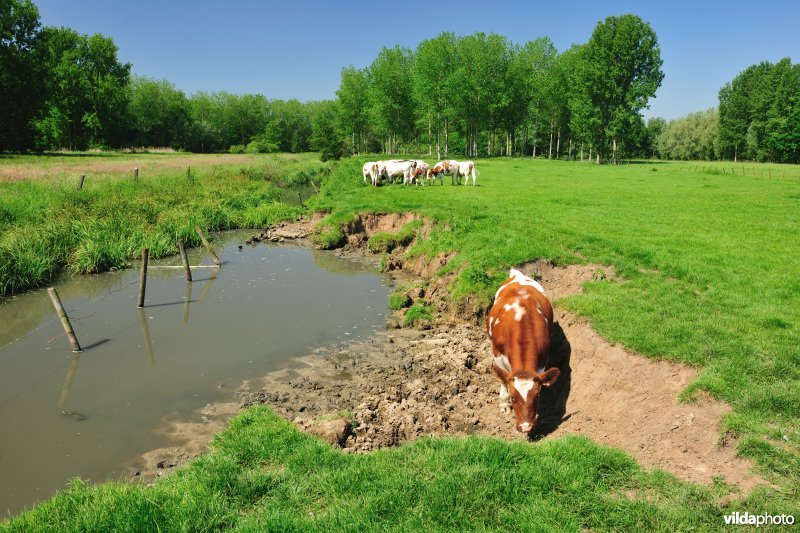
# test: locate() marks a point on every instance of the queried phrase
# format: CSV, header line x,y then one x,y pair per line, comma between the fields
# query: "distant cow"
x,y
443,168
519,325
397,169
370,170
464,168
420,172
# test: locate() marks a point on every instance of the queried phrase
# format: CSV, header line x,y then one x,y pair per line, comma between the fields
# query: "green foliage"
x,y
22,77
328,236
760,113
694,137
160,113
260,146
399,300
418,314
618,71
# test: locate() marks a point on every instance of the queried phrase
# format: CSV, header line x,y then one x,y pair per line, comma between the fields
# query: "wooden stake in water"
x,y
315,186
299,197
148,342
143,276
73,340
207,245
80,183
186,268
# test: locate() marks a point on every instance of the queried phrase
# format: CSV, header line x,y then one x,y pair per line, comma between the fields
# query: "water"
x,y
64,415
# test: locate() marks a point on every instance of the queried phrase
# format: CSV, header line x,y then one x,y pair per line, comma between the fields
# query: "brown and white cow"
x,y
447,167
519,325
464,168
420,173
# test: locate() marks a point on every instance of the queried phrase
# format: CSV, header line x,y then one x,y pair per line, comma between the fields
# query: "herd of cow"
x,y
416,171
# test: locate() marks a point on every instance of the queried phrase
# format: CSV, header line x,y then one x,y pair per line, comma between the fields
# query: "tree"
x,y
618,72
325,138
352,118
655,127
22,84
87,91
390,95
159,113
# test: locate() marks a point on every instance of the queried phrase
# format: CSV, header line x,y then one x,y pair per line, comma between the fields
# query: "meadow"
x,y
48,226
706,275
706,257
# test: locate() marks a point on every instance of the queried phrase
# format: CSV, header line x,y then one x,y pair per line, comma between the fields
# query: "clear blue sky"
x,y
296,49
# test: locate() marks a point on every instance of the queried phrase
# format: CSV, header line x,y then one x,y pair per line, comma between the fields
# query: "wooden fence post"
x,y
143,276
299,197
187,270
136,173
80,183
73,340
207,245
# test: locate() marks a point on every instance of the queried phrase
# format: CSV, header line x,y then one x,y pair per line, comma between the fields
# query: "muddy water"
x,y
64,415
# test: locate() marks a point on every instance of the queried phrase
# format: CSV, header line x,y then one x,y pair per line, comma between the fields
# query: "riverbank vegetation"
x,y
48,225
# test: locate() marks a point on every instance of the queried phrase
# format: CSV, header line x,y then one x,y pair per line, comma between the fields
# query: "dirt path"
x,y
405,383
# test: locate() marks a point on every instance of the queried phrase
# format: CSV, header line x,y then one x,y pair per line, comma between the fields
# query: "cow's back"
x,y
519,322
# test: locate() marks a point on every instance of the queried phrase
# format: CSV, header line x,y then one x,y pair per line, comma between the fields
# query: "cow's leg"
x,y
505,399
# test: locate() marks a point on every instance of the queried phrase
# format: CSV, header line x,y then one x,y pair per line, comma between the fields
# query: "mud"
x,y
402,384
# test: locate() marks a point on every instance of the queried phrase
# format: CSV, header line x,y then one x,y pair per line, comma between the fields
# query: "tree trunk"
x,y
590,152
438,138
430,138
558,144
550,150
446,135
614,155
569,153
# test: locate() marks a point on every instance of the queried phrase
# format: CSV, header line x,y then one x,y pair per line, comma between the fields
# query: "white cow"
x,y
397,169
370,170
465,168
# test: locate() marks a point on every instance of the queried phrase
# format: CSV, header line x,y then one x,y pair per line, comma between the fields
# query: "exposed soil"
x,y
405,383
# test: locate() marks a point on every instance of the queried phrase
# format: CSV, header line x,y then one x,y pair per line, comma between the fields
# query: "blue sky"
x,y
297,48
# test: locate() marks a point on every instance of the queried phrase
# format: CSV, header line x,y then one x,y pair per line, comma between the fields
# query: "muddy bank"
x,y
405,383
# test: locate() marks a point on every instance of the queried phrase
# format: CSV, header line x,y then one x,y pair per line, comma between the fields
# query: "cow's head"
x,y
524,387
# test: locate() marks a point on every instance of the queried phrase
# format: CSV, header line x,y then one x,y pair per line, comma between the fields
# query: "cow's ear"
x,y
549,377
501,373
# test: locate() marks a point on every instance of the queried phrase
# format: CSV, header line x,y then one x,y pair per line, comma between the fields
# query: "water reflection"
x,y
265,305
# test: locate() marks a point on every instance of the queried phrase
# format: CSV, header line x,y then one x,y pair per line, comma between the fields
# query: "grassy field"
x,y
48,226
708,275
707,258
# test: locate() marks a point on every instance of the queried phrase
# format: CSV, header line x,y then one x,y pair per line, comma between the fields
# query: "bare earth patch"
x,y
403,384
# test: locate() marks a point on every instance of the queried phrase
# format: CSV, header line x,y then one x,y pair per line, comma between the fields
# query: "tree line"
x,y
758,119
62,89
473,95
485,95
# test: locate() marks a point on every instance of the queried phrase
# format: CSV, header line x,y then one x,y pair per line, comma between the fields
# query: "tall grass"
x,y
48,226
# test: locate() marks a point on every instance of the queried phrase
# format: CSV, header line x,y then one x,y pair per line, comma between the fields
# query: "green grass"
x,y
399,300
264,475
708,267
417,314
48,226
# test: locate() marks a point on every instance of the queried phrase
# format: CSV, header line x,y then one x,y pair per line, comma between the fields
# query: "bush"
x,y
386,242
260,146
236,149
328,237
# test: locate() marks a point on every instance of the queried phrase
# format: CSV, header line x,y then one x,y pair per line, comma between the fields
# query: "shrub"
x,y
399,300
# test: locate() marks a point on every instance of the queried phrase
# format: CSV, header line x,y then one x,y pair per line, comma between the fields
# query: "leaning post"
x,y
80,183
62,314
207,245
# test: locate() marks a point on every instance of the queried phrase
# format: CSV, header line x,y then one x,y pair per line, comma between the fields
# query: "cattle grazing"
x,y
519,326
420,172
397,169
441,169
464,168
370,170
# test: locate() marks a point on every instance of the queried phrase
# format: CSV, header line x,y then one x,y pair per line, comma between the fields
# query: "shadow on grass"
x,y
553,399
